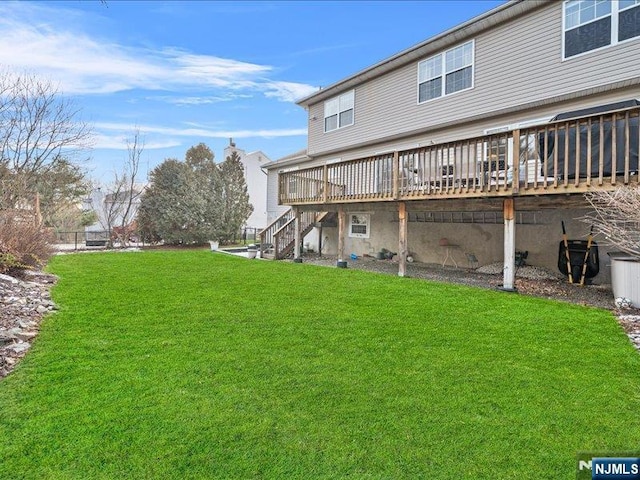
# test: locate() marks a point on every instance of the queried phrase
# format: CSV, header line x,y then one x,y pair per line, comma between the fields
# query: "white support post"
x,y
509,245
341,232
297,234
402,239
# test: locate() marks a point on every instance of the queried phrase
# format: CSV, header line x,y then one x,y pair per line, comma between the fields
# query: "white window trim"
x,y
615,11
368,224
337,98
444,74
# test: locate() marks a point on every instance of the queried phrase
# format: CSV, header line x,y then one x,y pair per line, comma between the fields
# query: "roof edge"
x,y
295,157
404,56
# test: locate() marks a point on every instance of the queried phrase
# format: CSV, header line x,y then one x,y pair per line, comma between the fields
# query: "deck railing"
x,y
268,235
566,156
278,238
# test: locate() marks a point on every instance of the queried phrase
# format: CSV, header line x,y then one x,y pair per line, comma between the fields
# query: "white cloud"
x,y
205,100
123,131
119,142
288,91
214,70
34,38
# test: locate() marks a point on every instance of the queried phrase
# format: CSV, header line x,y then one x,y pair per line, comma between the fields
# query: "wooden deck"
x,y
564,157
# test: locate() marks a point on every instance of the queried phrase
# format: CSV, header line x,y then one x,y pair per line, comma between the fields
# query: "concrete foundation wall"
x,y
485,241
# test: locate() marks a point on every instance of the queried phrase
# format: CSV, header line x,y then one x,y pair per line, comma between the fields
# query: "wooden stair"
x,y
278,239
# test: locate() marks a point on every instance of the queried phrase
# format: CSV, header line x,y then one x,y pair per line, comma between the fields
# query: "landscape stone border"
x,y
23,305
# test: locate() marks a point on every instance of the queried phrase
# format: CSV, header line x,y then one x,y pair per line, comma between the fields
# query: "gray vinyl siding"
x,y
478,128
273,209
516,63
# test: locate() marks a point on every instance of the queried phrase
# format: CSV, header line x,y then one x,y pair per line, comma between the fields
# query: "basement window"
x,y
359,225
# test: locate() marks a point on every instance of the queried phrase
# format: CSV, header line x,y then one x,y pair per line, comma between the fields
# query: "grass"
x,y
201,365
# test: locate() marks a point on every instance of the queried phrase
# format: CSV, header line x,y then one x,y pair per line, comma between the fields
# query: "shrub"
x,y
9,262
616,217
23,244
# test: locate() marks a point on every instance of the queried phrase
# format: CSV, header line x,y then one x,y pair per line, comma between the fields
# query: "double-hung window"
x,y
592,24
628,19
338,112
448,72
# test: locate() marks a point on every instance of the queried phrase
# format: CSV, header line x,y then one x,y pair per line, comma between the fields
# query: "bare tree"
x,y
39,131
119,203
616,216
135,147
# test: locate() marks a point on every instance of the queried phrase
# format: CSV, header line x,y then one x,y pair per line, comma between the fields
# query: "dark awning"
x,y
585,112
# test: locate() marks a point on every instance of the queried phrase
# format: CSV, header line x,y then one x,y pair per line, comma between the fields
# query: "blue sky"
x,y
190,72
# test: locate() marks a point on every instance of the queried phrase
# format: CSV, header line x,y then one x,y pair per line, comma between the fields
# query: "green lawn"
x,y
202,365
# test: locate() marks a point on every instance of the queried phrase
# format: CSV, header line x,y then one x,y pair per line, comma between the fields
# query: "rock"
x,y
20,347
526,271
22,306
8,279
26,336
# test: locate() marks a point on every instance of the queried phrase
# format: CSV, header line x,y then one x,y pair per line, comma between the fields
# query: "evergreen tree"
x,y
235,198
195,200
208,187
169,208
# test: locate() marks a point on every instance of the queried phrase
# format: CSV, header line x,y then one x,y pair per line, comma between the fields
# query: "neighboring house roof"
x,y
502,13
292,158
259,153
